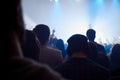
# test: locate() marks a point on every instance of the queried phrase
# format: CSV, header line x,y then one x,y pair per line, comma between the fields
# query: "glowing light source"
x,y
56,0
100,0
115,2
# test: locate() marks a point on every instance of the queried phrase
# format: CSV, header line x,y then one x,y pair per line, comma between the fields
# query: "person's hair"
x,y
43,32
91,34
29,47
77,43
115,53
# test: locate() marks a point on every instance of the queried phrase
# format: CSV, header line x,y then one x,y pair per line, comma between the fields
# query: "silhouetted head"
x,y
115,49
91,34
14,23
13,27
30,47
115,53
77,43
43,32
60,44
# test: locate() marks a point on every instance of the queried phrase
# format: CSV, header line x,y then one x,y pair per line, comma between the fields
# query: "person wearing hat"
x,y
79,66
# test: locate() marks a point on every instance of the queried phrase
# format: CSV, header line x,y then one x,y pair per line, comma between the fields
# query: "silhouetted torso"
x,y
26,69
60,46
50,56
30,47
101,48
82,69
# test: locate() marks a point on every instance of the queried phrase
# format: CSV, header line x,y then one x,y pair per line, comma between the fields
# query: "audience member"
x,y
30,47
115,61
115,56
13,64
53,40
47,55
21,49
98,57
60,46
79,66
93,52
103,60
91,34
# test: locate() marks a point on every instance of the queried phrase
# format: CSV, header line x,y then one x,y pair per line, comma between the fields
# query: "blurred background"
x,y
68,17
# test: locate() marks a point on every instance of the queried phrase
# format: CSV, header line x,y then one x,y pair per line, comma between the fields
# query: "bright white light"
x,y
100,1
74,16
119,37
56,0
29,23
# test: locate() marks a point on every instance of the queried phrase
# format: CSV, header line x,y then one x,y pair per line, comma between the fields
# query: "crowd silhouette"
x,y
47,55
38,55
14,66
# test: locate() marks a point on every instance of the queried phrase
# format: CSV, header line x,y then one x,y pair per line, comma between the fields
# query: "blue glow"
x,y
99,2
56,13
68,17
94,9
116,2
56,0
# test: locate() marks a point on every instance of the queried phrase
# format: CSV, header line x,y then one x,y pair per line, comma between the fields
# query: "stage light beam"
x,y
56,0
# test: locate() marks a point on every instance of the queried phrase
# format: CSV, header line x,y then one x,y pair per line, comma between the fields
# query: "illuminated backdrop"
x,y
69,17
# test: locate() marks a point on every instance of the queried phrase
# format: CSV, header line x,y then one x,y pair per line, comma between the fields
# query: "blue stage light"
x,y
116,2
100,1
56,0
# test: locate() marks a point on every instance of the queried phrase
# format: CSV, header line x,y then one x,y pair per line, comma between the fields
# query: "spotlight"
x,y
56,0
100,1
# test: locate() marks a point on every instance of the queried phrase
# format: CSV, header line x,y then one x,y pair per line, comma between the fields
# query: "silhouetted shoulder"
x,y
101,48
50,56
30,70
54,50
